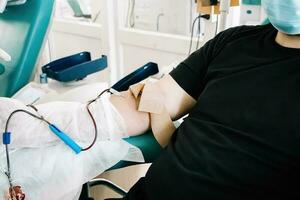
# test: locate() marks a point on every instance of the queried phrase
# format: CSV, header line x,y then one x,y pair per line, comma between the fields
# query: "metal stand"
x,y
85,193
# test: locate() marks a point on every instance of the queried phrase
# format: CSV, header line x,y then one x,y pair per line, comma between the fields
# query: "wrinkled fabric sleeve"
x,y
190,73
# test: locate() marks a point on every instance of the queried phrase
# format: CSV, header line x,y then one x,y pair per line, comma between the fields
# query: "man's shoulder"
x,y
239,32
245,30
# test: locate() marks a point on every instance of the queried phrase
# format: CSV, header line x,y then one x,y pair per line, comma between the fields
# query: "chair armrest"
x,y
23,32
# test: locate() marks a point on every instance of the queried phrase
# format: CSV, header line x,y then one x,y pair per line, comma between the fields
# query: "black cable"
x,y
199,33
93,119
8,173
207,17
24,111
192,33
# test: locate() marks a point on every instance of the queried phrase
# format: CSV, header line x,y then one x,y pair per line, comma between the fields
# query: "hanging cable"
x,y
130,21
93,119
7,135
96,16
192,33
207,17
217,24
158,20
199,33
191,15
6,142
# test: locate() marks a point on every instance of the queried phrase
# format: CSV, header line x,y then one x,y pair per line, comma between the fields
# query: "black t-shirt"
x,y
242,138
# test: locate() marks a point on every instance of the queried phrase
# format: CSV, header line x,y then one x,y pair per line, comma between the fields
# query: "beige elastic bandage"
x,y
152,102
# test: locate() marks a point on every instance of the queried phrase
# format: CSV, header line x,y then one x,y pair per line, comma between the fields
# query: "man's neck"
x,y
288,41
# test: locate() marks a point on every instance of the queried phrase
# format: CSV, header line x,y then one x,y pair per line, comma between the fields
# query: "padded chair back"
x,y
22,33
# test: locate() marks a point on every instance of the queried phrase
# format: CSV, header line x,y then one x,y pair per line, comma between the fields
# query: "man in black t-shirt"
x,y
241,139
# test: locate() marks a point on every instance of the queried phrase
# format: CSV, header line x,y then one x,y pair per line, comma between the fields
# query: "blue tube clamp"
x,y
6,138
66,139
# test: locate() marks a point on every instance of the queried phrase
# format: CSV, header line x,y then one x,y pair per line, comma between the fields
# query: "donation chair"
x,y
23,33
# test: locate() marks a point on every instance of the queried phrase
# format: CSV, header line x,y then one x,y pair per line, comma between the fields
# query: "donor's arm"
x,y
176,101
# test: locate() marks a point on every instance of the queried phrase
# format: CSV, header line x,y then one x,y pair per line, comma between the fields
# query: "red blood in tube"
x,y
16,193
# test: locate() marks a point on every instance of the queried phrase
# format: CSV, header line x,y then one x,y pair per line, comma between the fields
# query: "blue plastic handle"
x,y
66,139
74,67
136,76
